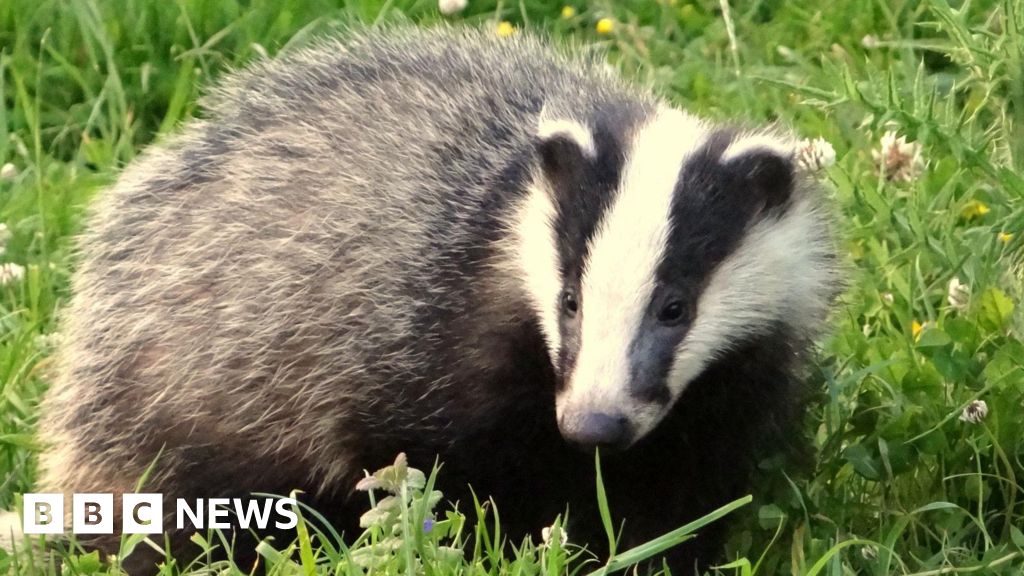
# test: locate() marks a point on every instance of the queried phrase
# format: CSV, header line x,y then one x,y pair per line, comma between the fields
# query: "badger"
x,y
491,252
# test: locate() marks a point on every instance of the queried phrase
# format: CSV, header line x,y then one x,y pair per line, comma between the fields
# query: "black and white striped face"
x,y
651,248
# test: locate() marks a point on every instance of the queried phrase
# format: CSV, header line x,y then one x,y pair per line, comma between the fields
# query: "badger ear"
x,y
565,149
762,168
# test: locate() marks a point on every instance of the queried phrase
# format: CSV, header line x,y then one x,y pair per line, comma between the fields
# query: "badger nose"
x,y
598,430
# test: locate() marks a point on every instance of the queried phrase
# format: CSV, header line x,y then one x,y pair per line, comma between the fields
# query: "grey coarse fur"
x,y
319,274
251,292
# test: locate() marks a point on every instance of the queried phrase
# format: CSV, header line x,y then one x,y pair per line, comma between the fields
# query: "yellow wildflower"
x,y
505,29
975,209
1005,237
605,26
568,12
915,329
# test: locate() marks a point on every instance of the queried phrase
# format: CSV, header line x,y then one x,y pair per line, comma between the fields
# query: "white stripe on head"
x,y
620,273
569,129
778,144
782,271
536,250
537,256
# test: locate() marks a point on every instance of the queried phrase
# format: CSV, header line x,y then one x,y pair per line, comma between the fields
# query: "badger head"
x,y
650,251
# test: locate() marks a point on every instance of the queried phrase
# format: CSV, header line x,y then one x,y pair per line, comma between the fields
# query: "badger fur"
x,y
452,245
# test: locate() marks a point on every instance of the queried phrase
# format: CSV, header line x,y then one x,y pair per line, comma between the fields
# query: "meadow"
x,y
917,417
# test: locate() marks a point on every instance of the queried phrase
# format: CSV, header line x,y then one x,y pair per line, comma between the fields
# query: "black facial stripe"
x,y
567,354
714,203
711,209
583,197
578,210
582,202
650,361
652,349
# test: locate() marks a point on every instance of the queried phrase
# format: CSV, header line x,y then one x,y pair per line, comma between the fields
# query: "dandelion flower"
x,y
974,412
505,29
957,294
815,155
1005,237
605,26
897,159
568,12
8,172
975,209
10,273
449,7
915,329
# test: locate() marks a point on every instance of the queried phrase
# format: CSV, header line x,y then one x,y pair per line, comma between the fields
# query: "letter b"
x,y
92,513
43,513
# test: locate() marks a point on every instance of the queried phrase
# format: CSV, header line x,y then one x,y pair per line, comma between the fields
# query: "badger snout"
x,y
593,429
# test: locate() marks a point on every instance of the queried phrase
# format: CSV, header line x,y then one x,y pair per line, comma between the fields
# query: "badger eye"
x,y
671,313
570,306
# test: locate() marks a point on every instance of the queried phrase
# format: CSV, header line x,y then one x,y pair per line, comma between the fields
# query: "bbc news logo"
x,y
144,513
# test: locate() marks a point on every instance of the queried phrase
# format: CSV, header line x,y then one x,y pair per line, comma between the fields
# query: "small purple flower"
x,y
428,525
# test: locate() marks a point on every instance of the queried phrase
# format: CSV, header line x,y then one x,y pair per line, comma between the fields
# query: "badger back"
x,y
339,221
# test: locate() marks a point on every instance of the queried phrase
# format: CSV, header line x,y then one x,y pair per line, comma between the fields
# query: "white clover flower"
x,y
897,159
10,273
815,155
888,298
957,294
49,341
8,172
449,7
546,533
974,412
870,41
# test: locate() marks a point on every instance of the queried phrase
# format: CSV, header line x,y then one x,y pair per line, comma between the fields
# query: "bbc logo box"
x,y
92,513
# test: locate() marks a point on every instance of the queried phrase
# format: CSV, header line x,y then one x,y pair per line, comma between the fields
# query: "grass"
x,y
901,484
